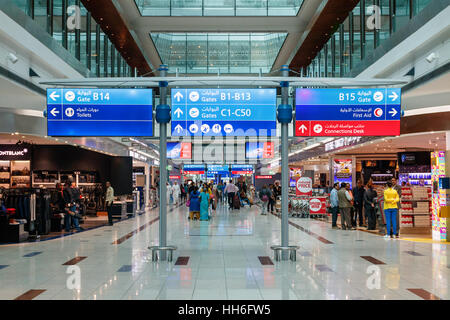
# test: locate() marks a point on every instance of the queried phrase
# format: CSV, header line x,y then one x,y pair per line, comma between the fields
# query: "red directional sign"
x,y
347,112
346,128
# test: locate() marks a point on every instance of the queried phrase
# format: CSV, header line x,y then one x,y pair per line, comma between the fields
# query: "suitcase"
x,y
194,215
236,202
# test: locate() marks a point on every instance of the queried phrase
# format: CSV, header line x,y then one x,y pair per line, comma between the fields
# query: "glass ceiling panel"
x,y
219,7
214,52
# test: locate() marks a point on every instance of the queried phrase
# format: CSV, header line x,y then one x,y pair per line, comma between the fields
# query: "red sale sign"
x,y
317,205
304,187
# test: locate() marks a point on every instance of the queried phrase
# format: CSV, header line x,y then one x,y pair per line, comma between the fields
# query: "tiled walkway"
x,y
222,259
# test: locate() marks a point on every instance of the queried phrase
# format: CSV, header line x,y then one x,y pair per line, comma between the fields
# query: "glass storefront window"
x,y
83,36
186,7
24,5
51,19
240,53
401,14
251,7
419,5
57,21
40,13
369,44
211,52
219,7
384,32
218,53
197,58
346,48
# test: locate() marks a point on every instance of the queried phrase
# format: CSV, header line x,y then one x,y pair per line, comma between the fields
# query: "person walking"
x,y
345,205
391,199
176,193
194,203
230,190
168,193
370,196
264,195
358,193
204,204
334,201
109,201
70,209
272,199
220,188
397,188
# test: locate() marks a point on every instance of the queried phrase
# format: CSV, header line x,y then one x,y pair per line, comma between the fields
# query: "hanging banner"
x,y
304,187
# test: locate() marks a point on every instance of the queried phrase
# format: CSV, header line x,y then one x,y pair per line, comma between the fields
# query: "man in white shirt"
x,y
109,201
231,190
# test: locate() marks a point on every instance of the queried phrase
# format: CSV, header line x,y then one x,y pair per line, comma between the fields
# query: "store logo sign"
x,y
13,153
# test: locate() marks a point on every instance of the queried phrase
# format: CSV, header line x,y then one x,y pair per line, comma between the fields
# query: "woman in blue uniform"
x,y
194,206
204,203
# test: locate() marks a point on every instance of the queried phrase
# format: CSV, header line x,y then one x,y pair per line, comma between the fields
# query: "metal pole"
x,y
163,166
284,164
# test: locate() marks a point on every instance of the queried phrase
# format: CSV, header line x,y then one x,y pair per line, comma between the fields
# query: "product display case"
x,y
415,210
20,174
381,178
45,178
5,174
416,178
87,178
440,195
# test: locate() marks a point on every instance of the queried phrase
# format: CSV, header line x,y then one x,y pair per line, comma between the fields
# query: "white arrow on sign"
x,y
303,128
178,96
393,112
54,112
179,128
54,95
178,112
393,96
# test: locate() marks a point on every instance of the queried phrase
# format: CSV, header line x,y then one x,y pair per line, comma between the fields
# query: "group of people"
x,y
352,203
67,201
269,195
202,198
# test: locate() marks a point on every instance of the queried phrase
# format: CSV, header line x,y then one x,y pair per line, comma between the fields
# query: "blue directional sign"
x,y
100,112
218,169
224,112
194,168
241,169
348,112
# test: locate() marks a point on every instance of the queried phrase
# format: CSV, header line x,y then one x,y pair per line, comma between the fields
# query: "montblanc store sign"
x,y
14,152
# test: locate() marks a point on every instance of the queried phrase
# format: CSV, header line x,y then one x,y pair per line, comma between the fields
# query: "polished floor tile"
x,y
225,258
